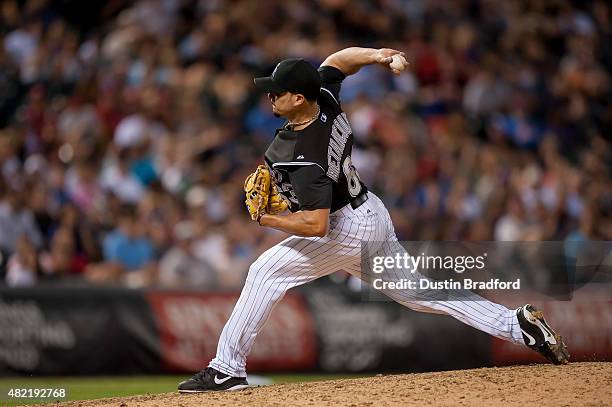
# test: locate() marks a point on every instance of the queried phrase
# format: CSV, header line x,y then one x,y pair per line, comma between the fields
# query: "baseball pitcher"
x,y
308,171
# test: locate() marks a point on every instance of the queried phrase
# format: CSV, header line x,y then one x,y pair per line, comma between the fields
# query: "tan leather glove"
x,y
276,202
257,190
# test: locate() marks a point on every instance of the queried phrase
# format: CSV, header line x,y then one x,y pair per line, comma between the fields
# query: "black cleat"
x,y
210,379
539,336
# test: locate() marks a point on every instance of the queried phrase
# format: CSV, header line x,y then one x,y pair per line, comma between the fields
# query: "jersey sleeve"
x,y
331,81
312,187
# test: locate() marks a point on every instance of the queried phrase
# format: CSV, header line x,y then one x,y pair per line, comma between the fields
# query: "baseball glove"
x,y
262,196
276,202
257,189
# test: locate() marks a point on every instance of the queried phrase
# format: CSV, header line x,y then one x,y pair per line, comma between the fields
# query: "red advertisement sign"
x,y
190,325
585,323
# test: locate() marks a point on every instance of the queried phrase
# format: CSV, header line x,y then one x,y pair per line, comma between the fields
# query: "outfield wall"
x,y
76,329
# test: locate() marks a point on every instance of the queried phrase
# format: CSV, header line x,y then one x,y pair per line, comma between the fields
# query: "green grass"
x,y
84,388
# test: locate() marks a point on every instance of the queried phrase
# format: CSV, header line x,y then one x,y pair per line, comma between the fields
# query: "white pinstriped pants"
x,y
298,260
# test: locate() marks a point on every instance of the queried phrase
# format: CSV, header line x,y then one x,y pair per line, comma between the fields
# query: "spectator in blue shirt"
x,y
127,245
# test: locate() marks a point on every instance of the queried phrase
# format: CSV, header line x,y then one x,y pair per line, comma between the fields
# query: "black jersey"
x,y
312,167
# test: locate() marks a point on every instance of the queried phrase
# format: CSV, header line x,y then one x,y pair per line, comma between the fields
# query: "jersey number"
x,y
352,178
287,191
285,188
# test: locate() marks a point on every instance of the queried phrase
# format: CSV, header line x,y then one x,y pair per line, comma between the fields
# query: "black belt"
x,y
359,199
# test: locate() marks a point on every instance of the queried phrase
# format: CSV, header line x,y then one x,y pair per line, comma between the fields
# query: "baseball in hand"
x,y
398,63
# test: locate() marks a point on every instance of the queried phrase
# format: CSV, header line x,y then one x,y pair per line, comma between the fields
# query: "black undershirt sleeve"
x,y
331,79
312,187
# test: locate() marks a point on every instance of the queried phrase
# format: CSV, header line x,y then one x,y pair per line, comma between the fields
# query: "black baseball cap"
x,y
293,75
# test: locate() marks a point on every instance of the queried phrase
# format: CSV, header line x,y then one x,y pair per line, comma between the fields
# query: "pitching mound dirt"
x,y
576,384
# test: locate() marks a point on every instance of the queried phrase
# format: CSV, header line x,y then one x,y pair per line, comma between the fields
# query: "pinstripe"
x,y
259,298
296,261
259,270
255,289
481,317
292,240
286,275
478,316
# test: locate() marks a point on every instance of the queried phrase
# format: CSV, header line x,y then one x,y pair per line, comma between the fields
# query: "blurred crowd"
x,y
128,127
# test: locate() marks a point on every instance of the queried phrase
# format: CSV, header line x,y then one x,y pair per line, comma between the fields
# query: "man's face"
x,y
284,103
